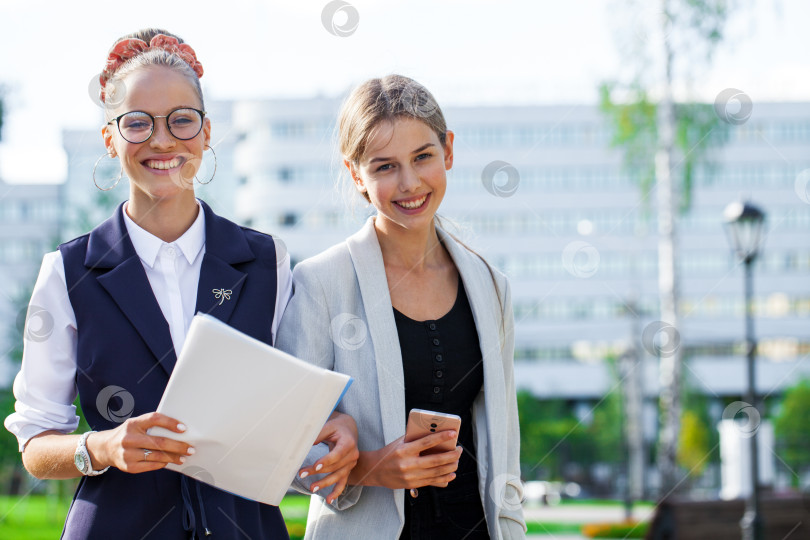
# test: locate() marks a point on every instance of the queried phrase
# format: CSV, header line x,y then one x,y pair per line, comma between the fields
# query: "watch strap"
x,y
81,448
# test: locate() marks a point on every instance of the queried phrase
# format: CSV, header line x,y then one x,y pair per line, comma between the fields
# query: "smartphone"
x,y
422,423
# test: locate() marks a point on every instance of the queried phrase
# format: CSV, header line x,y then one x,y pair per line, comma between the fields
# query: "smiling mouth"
x,y
413,204
163,165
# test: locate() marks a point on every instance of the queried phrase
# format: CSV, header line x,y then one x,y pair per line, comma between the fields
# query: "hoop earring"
x,y
120,173
215,169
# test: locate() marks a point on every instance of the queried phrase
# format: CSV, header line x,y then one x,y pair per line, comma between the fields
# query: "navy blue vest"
x,y
125,349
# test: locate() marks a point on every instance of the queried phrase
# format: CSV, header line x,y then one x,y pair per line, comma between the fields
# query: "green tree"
x,y
693,445
662,143
607,429
550,437
11,469
699,440
790,428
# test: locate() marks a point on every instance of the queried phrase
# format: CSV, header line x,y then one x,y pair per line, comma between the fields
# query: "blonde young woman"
x,y
121,299
432,328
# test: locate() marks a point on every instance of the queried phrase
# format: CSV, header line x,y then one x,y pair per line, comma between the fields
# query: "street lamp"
x,y
743,223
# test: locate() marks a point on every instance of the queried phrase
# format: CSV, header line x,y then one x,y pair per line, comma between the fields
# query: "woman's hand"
x,y
340,434
399,465
130,449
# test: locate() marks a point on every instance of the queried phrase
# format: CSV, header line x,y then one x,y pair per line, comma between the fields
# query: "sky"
x,y
466,52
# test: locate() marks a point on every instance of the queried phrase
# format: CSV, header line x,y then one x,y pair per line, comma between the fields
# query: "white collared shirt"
x,y
173,270
45,387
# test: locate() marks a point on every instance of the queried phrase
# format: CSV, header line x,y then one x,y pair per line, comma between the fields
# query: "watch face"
x,y
78,459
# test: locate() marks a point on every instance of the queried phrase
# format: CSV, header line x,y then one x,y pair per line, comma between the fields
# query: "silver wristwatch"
x,y
82,457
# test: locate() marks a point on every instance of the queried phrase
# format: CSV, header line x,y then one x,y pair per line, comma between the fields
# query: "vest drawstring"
x,y
206,531
189,517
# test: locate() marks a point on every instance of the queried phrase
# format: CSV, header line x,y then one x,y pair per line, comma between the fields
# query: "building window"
x,y
289,219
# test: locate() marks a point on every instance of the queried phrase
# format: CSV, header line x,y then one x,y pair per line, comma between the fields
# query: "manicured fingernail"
x,y
451,434
190,450
315,489
182,459
318,467
181,427
304,474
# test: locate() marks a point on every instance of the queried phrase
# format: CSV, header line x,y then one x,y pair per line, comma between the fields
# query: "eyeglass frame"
x,y
118,118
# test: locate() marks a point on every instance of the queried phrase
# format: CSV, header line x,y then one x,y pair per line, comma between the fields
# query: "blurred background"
x,y
599,144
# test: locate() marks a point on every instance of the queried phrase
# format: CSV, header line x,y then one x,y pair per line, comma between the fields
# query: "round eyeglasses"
x,y
137,126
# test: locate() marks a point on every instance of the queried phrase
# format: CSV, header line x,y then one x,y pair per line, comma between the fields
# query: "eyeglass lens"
x,y
137,126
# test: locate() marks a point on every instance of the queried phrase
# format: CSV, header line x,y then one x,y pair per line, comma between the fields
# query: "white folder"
x,y
252,412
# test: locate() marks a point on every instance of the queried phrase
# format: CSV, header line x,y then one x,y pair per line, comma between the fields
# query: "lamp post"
x,y
743,223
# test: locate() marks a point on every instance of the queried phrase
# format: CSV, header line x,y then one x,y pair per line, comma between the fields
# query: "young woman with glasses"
x,y
118,303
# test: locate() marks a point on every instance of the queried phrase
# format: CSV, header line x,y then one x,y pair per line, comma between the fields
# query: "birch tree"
x,y
662,142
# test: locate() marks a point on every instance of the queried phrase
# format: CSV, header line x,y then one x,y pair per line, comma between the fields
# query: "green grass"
x,y
37,517
535,527
32,518
295,506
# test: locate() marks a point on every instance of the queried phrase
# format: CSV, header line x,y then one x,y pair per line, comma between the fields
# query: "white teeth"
x,y
163,165
413,204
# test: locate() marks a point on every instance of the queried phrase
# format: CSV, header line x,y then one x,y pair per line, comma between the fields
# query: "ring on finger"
x,y
146,453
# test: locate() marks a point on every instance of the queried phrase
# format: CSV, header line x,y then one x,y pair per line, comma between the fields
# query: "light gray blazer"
x,y
340,318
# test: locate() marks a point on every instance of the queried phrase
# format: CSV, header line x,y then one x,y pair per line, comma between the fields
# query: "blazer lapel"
x,y
220,283
480,288
364,249
109,246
